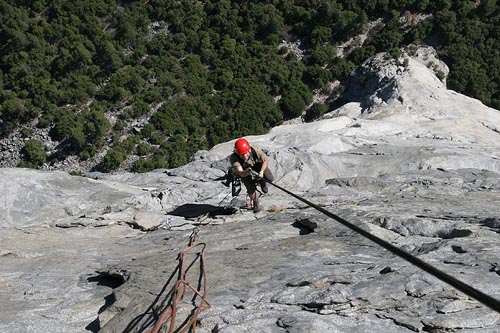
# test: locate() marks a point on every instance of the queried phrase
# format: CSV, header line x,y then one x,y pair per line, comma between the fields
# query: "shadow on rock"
x,y
493,223
195,210
151,314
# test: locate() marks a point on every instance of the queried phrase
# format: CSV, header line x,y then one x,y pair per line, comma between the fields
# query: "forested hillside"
x,y
163,79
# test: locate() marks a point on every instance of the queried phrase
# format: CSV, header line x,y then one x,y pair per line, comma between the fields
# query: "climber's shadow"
x,y
161,301
165,297
195,210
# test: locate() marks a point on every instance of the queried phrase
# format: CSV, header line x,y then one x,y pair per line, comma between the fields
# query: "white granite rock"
x,y
407,160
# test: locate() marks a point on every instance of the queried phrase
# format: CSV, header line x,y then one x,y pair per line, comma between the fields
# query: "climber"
x,y
250,163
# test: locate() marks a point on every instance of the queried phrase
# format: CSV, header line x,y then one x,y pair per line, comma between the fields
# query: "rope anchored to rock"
x,y
170,312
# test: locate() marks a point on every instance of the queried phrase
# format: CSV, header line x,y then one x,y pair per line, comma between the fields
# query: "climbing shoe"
x,y
256,207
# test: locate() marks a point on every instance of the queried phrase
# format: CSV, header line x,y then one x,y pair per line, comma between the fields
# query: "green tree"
x,y
317,76
292,105
96,125
143,149
390,36
322,55
487,8
113,159
315,111
321,35
14,111
216,77
196,77
359,55
469,77
421,5
34,154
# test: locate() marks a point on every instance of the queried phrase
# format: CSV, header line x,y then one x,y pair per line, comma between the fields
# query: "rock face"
x,y
407,160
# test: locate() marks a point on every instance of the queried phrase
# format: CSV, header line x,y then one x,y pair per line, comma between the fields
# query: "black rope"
x,y
452,281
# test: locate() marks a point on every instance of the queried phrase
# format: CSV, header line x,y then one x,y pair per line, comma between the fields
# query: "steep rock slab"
x,y
417,167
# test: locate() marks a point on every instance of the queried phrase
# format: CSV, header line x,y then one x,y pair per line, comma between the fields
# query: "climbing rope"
x,y
182,283
452,281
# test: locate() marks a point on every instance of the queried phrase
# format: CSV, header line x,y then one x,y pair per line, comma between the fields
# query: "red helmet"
x,y
241,146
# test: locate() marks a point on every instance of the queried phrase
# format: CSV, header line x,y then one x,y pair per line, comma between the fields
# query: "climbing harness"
x,y
452,281
233,180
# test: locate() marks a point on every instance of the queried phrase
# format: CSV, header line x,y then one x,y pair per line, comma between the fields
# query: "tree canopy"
x,y
200,73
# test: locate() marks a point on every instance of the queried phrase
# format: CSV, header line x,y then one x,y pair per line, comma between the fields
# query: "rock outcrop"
x,y
407,160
